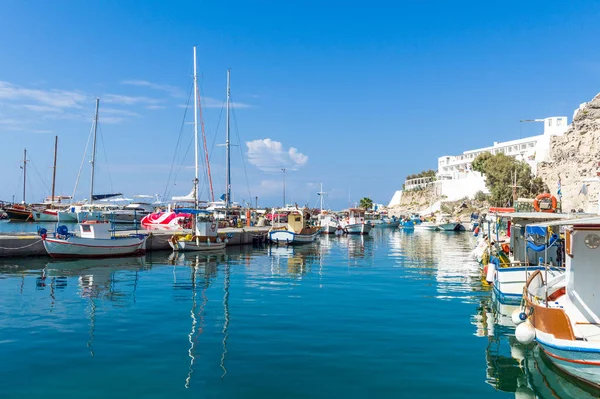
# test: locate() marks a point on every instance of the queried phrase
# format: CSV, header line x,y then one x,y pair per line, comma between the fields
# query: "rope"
x,y
106,160
167,192
29,245
82,162
241,152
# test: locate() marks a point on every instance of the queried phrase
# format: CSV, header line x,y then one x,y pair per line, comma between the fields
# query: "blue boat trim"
x,y
567,348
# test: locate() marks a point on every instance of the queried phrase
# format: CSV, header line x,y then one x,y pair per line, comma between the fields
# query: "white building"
x,y
456,179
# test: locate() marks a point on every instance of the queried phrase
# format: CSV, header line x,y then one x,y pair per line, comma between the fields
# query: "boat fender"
x,y
525,333
518,316
491,270
219,239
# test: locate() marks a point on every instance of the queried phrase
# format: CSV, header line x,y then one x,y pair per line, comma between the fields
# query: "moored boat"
x,y
328,222
205,234
563,314
297,230
19,212
354,222
95,240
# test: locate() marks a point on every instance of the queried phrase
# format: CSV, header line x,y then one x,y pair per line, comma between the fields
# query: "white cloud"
x,y
52,98
270,155
172,90
154,107
209,102
128,100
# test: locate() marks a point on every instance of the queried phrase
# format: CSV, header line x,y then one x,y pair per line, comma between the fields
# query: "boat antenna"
x,y
227,149
93,161
195,133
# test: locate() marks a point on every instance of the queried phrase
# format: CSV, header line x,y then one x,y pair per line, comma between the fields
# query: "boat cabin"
x,y
206,226
355,216
93,229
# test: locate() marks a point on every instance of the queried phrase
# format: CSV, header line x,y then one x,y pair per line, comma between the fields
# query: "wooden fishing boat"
x,y
297,230
95,240
205,237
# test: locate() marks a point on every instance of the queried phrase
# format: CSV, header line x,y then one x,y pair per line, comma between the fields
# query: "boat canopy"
x,y
192,211
97,197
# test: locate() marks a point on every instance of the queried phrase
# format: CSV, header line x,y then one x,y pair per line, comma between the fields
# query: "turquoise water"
x,y
398,314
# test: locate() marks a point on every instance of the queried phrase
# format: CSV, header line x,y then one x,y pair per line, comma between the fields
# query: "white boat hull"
x,y
508,282
580,359
45,216
67,217
286,237
358,228
448,226
195,246
77,247
425,226
96,216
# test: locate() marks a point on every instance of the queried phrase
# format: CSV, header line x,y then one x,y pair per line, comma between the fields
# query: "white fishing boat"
x,y
297,230
95,240
328,222
47,215
354,222
205,234
563,314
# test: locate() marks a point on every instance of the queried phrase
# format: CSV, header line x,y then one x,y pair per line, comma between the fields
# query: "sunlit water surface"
x,y
396,314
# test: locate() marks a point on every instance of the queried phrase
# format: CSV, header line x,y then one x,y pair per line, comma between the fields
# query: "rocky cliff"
x,y
574,159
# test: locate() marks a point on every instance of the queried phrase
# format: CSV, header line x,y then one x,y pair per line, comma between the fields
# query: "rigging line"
x,y
241,151
35,169
207,166
82,163
166,192
112,190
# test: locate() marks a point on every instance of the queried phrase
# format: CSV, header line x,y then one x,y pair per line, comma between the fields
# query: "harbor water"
x,y
395,314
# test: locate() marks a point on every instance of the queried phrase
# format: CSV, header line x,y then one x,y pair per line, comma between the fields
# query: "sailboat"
x,y
95,239
21,212
50,214
204,226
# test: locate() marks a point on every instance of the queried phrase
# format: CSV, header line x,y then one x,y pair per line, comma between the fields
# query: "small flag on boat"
x,y
559,192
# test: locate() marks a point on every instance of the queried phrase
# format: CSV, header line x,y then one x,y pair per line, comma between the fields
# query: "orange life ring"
x,y
552,198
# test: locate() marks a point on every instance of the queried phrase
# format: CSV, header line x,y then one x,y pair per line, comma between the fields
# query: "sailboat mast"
x,y
321,195
54,168
93,161
195,132
227,150
24,173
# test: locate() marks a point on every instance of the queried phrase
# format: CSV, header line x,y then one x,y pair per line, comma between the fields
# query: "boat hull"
x,y
581,359
448,226
508,282
164,220
18,214
194,246
77,247
389,224
67,217
358,228
45,216
424,226
286,237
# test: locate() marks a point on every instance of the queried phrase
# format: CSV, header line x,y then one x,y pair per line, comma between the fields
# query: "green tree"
x,y
366,203
499,171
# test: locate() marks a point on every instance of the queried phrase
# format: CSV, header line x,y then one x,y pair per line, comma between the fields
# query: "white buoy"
x,y
518,316
525,333
489,277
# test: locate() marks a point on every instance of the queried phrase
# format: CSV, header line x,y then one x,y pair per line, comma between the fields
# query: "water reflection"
x,y
521,369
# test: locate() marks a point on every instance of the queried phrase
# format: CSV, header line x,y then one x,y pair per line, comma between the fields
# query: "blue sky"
x,y
353,95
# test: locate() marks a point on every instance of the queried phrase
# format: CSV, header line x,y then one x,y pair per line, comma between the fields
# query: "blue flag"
x,y
559,192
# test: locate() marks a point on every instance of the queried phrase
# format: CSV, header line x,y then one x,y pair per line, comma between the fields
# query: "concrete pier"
x,y
27,244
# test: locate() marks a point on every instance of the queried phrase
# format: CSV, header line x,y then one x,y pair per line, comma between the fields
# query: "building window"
x,y
558,122
523,146
549,122
530,145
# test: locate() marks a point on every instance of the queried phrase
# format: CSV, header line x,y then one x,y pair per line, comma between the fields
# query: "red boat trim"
x,y
588,362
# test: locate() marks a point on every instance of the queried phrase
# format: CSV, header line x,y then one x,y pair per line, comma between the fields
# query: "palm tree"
x,y
366,203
